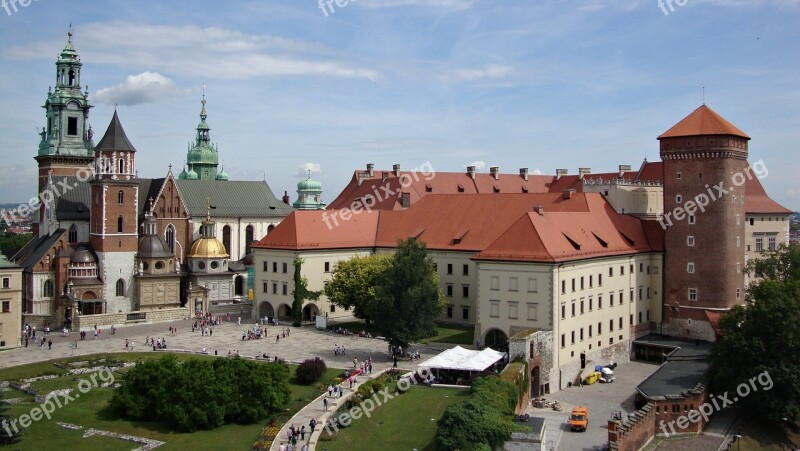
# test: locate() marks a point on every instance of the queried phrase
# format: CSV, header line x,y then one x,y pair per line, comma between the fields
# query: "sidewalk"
x,y
316,409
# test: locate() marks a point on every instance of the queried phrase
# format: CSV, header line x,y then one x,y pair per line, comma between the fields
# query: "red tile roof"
x,y
757,201
564,236
492,225
703,121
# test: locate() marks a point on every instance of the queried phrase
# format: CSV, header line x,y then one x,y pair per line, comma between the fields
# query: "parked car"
x,y
579,419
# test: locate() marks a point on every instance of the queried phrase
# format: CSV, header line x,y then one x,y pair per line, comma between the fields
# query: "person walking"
x,y
395,362
313,424
303,432
325,404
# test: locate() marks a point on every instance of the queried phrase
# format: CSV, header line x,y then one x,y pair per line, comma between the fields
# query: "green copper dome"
x,y
202,156
309,185
222,175
191,175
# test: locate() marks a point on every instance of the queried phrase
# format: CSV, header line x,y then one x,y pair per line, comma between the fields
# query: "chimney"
x,y
405,200
370,169
583,171
523,172
495,171
286,197
396,169
623,168
539,209
471,172
560,172
568,193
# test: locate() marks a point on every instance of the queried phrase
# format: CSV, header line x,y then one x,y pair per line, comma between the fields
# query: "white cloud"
x,y
190,50
479,165
147,87
537,172
303,170
494,71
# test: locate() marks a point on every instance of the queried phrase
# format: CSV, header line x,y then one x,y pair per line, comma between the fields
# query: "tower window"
x,y
72,126
691,219
170,235
120,287
692,294
678,198
73,234
690,268
72,78
678,175
119,224
120,197
690,241
121,166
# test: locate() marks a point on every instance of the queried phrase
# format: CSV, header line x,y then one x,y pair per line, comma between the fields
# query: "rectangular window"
x,y
771,243
631,319
752,221
450,289
739,219
333,308
465,313
572,337
533,286
285,268
581,334
573,284
582,306
611,272
563,341
621,270
449,268
563,311
274,288
759,244
494,309
274,266
640,317
449,311
494,283
72,126
738,293
590,331
266,266
738,241
6,282
611,325
573,308
631,298
692,294
691,219
600,280
513,310
591,304
620,322
466,270
591,281
6,306
641,267
581,282
599,301
640,293
690,268
611,299
563,286
465,291
285,289
533,312
599,328
266,287
513,284
327,266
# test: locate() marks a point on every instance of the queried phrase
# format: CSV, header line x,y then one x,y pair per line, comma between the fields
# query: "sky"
x,y
293,85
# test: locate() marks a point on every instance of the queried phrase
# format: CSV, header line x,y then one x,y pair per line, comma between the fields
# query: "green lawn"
x,y
445,333
89,411
401,424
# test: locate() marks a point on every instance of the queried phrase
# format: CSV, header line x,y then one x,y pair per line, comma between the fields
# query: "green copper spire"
x,y
67,130
309,195
202,157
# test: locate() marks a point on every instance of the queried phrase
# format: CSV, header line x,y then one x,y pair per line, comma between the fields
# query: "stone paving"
x,y
301,344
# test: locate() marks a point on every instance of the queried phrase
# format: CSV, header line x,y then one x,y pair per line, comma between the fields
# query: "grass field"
x,y
404,423
89,410
445,333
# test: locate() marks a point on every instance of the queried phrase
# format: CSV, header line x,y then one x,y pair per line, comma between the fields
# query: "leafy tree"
x,y
355,283
200,393
11,243
311,370
301,293
8,435
763,337
408,295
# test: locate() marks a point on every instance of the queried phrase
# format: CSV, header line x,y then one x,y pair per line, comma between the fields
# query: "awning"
x,y
462,359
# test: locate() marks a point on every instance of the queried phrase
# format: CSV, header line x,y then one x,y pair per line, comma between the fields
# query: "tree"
x,y
408,295
301,293
763,338
355,284
8,434
11,243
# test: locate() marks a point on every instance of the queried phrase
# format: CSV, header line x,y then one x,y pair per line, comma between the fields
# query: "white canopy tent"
x,y
460,359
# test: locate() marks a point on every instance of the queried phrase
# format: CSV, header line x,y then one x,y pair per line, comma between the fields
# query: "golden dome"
x,y
208,248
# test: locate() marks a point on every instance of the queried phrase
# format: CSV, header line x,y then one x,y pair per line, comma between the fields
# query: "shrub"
x,y
310,371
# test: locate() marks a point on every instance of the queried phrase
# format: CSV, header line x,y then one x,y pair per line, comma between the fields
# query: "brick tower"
x,y
705,158
113,227
65,148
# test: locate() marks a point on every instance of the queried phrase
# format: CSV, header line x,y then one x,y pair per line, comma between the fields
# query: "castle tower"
x,y
113,221
705,158
202,157
65,146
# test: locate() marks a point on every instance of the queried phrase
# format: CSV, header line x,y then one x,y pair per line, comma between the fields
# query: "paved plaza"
x,y
302,343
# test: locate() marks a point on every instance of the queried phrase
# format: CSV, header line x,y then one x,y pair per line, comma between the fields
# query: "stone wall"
x,y
87,322
634,432
245,310
681,414
689,328
618,352
537,348
40,320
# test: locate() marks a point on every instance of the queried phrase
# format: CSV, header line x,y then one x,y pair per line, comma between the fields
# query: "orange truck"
x,y
579,419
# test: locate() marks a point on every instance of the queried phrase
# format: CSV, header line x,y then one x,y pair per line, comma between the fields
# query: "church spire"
x,y
202,157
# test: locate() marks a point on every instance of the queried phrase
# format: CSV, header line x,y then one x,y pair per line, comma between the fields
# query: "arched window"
x,y
48,289
121,166
170,237
248,234
73,234
119,224
271,226
120,197
120,287
71,77
226,238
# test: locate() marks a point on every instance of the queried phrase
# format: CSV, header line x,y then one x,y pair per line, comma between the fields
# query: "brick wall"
x,y
634,432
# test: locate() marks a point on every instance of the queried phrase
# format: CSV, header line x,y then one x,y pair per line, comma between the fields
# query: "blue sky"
x,y
540,84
